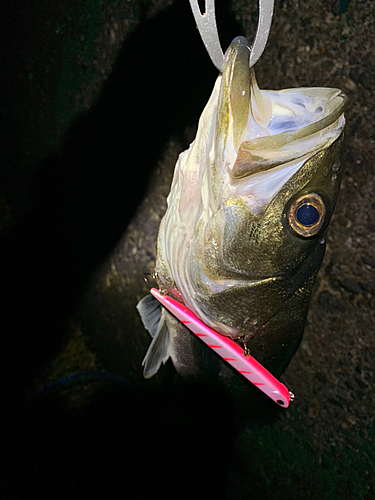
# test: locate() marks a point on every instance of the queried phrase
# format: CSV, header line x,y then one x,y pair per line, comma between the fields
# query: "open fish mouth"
x,y
262,137
250,142
303,122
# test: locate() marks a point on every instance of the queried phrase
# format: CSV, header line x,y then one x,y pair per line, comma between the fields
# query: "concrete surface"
x,y
99,98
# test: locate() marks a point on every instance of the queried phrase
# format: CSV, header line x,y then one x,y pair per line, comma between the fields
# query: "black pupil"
x,y
307,215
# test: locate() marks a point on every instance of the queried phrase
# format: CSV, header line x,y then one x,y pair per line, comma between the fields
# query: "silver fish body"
x,y
242,239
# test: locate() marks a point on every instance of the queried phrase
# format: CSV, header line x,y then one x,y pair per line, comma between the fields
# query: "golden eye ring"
x,y
307,214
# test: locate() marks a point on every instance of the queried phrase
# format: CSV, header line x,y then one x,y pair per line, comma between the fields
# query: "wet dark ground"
x,y
98,99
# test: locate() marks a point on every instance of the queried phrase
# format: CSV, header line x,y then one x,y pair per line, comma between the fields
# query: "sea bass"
x,y
242,239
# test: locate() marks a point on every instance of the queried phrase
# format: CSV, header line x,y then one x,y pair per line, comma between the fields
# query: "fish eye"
x,y
307,214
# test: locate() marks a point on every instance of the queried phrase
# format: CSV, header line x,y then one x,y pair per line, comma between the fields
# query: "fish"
x,y
243,236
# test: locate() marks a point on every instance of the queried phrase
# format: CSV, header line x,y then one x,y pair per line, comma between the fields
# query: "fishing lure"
x,y
229,351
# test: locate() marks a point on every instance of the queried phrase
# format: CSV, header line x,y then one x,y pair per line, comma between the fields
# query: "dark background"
x,y
98,98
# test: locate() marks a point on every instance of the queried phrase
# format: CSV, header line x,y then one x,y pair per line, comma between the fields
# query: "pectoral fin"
x,y
153,319
158,352
149,310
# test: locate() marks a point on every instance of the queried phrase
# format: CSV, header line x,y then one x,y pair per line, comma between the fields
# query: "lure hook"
x,y
206,24
154,276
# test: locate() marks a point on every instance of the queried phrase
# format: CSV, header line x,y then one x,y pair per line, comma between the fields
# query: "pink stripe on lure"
x,y
229,351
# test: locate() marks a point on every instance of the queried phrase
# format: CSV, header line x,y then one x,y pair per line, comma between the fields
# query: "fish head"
x,y
243,237
275,238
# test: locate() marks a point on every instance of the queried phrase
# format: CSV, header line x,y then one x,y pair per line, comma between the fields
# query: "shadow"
x,y
115,441
84,196
95,436
91,437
